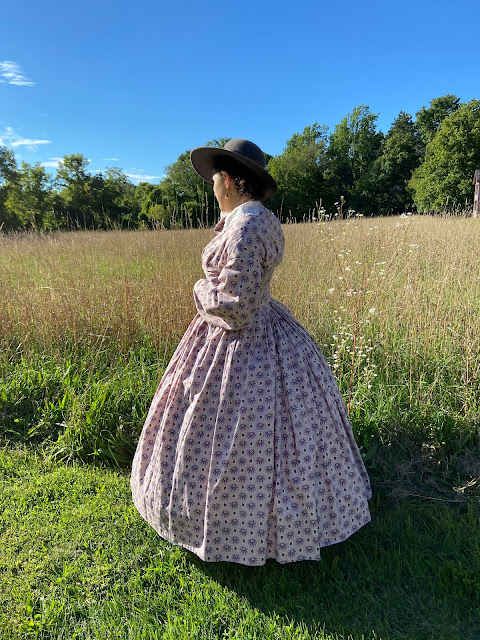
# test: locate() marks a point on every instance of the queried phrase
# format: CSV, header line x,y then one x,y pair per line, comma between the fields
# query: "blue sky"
x,y
134,85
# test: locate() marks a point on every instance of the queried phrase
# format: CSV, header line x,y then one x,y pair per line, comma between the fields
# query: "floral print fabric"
x,y
247,452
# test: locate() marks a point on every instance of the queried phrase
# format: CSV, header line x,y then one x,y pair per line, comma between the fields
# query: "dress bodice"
x,y
238,265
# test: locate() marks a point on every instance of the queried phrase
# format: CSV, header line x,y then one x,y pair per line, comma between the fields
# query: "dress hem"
x,y
315,558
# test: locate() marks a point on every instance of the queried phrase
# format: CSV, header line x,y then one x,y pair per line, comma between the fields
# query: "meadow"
x,y
89,320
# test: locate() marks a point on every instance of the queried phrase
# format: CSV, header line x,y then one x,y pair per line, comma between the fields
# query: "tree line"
x,y
424,164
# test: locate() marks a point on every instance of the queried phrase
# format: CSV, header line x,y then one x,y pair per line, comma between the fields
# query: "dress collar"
x,y
226,219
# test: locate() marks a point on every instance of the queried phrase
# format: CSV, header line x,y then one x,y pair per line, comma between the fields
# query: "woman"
x,y
247,452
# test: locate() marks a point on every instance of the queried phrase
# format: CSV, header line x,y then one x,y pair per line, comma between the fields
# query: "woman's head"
x,y
235,181
237,171
245,181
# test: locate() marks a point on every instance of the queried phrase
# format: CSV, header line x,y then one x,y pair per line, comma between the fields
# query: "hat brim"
x,y
203,161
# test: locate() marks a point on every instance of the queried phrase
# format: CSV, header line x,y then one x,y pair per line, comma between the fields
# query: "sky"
x,y
135,84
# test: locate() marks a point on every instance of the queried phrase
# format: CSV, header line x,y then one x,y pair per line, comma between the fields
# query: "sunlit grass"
x,y
90,288
77,561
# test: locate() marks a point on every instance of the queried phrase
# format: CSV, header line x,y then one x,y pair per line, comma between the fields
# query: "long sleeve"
x,y
229,297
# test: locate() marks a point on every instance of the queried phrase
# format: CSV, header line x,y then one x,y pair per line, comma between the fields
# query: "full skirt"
x,y
247,452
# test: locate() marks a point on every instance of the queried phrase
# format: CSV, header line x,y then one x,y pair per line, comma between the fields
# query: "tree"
x,y
120,204
352,151
154,210
400,154
444,180
188,184
430,119
298,171
8,174
29,198
188,199
72,180
101,201
8,166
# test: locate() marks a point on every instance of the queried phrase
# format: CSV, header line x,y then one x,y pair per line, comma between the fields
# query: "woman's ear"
x,y
227,179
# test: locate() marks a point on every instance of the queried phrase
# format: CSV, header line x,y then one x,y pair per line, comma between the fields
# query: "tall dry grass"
x,y
412,283
91,287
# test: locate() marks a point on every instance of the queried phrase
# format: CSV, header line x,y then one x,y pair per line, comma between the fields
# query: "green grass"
x,y
81,405
90,405
77,561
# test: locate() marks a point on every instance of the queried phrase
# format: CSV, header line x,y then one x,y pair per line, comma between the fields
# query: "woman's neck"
x,y
235,201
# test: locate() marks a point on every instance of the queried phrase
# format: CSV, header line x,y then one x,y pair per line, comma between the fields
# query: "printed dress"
x,y
247,452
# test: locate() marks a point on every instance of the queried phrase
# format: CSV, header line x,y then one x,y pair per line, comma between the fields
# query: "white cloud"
x,y
28,142
52,163
10,138
110,159
141,177
11,73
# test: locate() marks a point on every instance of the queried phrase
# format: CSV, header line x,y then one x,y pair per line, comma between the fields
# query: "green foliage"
x,y
8,166
29,198
78,408
186,181
299,172
120,203
76,189
353,148
399,155
429,120
8,175
158,215
444,180
98,201
187,200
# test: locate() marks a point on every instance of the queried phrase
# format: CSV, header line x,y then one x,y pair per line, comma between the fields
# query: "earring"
x,y
226,194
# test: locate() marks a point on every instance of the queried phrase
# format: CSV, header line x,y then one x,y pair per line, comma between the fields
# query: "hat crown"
x,y
246,149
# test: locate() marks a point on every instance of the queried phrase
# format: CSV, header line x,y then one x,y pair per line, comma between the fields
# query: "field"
x,y
88,322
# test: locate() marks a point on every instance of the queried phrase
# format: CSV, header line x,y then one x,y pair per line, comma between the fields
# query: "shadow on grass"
x,y
413,573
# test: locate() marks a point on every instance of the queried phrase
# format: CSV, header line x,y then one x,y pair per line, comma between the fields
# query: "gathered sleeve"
x,y
229,297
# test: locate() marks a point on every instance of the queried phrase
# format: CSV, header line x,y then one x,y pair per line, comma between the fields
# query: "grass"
x,y
88,323
78,562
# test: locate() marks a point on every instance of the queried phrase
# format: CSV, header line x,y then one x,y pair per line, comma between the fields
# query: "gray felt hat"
x,y
244,152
